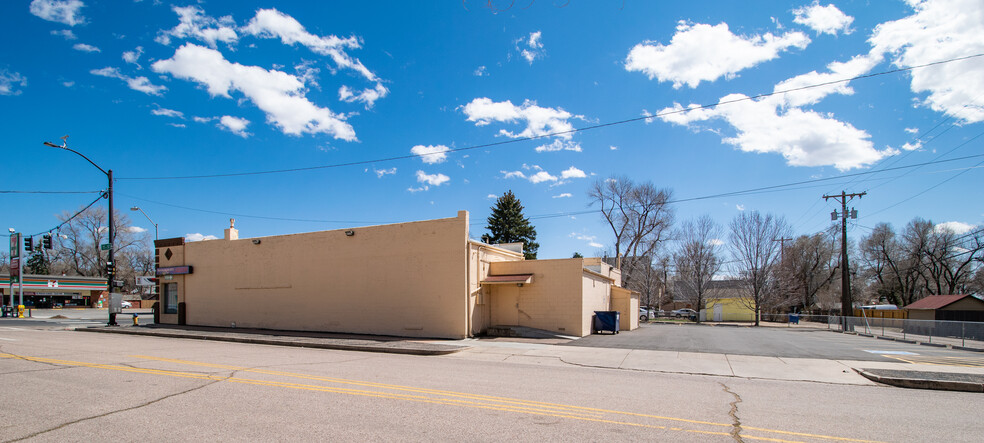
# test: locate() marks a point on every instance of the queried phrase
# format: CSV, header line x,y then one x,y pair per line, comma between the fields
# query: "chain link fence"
x,y
937,332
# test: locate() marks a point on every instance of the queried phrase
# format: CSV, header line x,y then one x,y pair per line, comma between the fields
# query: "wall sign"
x,y
174,270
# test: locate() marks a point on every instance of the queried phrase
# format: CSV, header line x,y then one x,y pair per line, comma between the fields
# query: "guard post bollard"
x,y
136,322
20,311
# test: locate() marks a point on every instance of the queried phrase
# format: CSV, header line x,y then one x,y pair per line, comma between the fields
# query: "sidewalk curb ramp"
x,y
939,381
391,346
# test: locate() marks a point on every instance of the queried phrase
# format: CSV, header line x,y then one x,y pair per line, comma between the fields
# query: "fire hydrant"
x,y
135,321
20,311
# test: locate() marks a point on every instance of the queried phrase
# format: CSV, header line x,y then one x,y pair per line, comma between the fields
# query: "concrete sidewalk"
x,y
546,352
345,342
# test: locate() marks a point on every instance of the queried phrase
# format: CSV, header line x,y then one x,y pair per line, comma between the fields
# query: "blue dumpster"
x,y
605,321
794,319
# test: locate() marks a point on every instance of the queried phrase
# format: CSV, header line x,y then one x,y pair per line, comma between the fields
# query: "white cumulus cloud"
x,y
541,177
194,24
167,113
531,48
199,237
141,83
381,172
955,227
560,145
429,180
234,125
823,19
940,30
701,52
61,11
133,56
85,48
430,154
564,195
278,94
11,82
539,121
572,172
67,34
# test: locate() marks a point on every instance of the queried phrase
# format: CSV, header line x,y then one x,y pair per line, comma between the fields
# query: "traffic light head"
x,y
46,241
28,244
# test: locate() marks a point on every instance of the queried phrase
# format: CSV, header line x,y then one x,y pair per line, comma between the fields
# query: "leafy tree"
x,y
508,225
38,264
577,255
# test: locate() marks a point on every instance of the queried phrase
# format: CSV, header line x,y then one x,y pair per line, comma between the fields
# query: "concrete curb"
x,y
394,347
919,383
911,342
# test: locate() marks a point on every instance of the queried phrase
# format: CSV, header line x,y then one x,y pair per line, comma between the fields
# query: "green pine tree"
x,y
38,264
508,225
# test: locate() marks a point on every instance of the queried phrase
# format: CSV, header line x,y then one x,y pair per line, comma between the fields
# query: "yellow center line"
x,y
457,398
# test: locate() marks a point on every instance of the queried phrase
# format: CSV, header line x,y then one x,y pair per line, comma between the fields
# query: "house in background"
x,y
415,279
963,307
726,303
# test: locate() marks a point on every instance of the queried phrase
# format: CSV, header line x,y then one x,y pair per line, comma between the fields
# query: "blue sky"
x,y
400,99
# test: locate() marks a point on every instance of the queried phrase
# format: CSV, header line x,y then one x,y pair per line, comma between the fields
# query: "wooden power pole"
x,y
847,308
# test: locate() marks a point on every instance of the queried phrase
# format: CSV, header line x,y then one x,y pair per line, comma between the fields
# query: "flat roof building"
x,y
415,279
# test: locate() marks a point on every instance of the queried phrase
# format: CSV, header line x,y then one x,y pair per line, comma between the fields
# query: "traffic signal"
x,y
46,241
28,244
110,268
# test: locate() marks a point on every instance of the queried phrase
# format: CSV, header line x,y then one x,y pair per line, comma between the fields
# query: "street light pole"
x,y
110,264
137,208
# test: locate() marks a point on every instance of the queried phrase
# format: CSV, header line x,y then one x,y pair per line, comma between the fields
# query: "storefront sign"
x,y
174,270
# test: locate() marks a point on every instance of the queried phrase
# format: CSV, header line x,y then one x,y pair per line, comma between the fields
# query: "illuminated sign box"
x,y
174,270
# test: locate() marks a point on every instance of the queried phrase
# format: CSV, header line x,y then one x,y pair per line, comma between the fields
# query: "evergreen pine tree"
x,y
38,264
508,225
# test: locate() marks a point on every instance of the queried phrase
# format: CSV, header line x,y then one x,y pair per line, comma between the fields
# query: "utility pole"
x,y
847,308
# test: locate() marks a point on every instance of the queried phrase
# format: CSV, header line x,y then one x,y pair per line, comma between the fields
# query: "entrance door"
x,y
505,305
718,313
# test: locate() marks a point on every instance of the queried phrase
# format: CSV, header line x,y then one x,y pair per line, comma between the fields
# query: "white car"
x,y
126,304
645,314
685,312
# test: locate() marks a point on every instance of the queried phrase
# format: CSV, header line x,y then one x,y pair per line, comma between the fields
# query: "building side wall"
x,y
407,279
732,309
177,259
552,302
626,302
597,297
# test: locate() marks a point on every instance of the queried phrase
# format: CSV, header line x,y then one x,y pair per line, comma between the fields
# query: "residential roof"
x,y
937,301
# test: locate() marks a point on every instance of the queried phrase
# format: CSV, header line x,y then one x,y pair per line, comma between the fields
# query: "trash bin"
x,y
794,319
605,321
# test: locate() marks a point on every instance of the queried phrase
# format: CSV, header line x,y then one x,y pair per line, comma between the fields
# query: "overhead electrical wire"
x,y
560,133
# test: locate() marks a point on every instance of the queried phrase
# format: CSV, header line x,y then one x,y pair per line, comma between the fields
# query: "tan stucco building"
x,y
416,279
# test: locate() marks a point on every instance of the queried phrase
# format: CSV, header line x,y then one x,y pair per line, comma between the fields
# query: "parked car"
x,y
126,304
685,312
645,314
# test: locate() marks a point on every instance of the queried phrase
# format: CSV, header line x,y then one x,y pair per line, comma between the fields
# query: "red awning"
x,y
508,279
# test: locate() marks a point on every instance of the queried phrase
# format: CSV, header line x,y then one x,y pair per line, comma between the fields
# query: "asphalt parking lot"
x,y
763,341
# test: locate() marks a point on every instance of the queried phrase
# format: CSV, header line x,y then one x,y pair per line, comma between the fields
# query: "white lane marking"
x,y
891,352
8,339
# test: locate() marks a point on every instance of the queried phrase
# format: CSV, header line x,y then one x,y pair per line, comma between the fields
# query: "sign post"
x,y
16,268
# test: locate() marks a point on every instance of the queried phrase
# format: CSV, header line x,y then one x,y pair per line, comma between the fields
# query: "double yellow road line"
x,y
442,397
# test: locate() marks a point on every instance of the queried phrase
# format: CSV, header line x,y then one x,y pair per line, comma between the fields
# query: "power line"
x,y
50,192
101,196
560,133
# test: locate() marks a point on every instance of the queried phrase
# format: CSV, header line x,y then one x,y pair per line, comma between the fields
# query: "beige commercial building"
x,y
415,279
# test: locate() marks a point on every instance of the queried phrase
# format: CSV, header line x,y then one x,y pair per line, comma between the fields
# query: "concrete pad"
x,y
678,362
796,369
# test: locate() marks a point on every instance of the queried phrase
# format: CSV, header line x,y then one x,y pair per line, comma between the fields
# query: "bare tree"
x,y
78,247
807,265
697,260
947,266
894,263
755,249
4,262
638,215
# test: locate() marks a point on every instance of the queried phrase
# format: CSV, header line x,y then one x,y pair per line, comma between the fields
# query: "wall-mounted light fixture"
x,y
256,241
350,233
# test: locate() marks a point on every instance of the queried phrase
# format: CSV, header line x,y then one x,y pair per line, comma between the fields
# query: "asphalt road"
x,y
60,386
763,341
